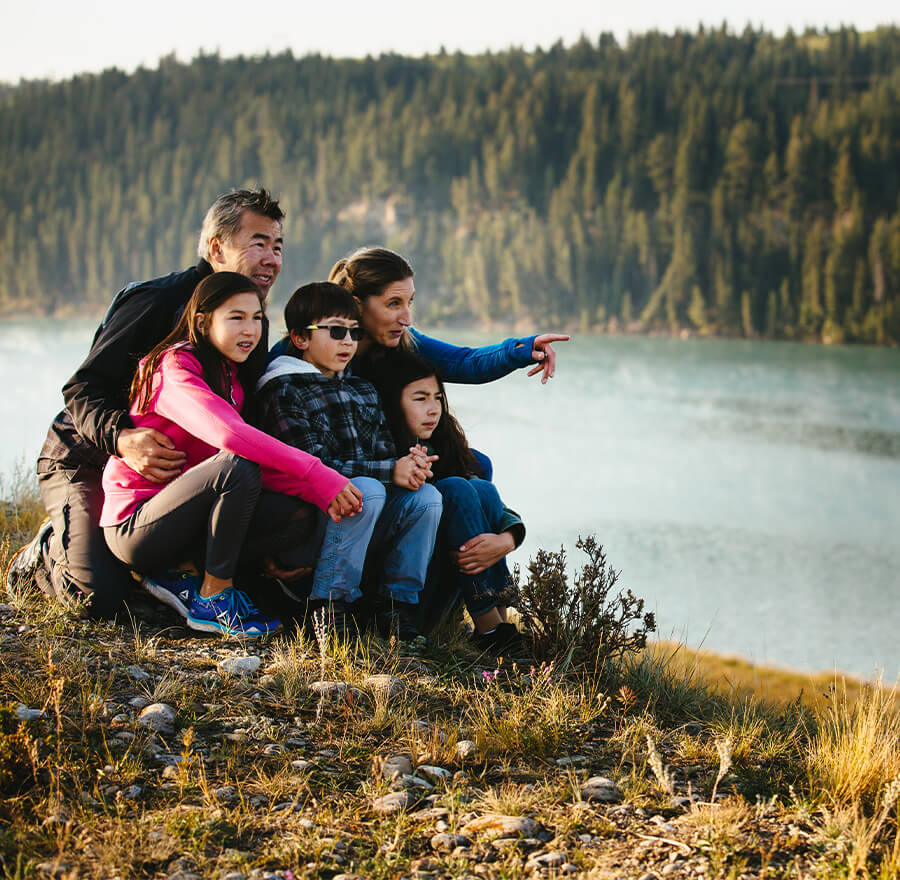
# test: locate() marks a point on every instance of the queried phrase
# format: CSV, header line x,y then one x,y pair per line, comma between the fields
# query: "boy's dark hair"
x,y
314,302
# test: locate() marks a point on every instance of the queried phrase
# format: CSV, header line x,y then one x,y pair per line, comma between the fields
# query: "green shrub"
x,y
589,623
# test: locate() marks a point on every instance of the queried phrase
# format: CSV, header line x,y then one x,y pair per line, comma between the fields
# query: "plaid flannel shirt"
x,y
338,420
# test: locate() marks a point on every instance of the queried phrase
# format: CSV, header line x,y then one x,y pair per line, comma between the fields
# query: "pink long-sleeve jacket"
x,y
200,424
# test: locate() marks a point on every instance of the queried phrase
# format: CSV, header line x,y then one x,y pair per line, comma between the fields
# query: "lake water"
x,y
750,492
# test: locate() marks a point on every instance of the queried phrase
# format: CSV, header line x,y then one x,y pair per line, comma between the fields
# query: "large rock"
x,y
466,750
393,766
599,788
494,827
387,686
159,717
448,842
395,802
240,665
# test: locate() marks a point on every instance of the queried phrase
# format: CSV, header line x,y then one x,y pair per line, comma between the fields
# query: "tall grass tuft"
x,y
855,751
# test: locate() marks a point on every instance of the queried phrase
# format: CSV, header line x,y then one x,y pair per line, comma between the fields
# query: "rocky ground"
x,y
140,750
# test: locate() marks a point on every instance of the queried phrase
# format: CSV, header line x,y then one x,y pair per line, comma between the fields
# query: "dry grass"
x,y
784,787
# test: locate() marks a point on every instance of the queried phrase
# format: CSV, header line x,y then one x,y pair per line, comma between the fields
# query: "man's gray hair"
x,y
223,218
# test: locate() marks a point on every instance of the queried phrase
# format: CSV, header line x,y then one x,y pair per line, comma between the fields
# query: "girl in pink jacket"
x,y
188,388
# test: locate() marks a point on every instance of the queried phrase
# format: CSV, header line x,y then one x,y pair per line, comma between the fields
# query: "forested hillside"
x,y
739,184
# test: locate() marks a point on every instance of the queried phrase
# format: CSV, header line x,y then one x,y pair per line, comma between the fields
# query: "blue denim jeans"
x,y
473,507
400,524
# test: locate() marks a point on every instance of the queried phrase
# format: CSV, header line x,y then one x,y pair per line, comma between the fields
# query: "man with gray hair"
x,y
241,233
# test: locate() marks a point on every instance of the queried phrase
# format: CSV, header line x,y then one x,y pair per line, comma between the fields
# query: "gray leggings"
x,y
218,503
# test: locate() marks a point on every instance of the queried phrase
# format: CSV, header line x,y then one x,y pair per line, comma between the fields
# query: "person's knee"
x,y
455,490
426,501
374,495
239,472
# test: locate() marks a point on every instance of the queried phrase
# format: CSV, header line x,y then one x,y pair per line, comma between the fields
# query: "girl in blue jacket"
x,y
477,530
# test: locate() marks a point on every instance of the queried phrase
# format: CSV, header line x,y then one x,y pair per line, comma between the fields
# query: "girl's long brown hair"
x,y
208,295
395,372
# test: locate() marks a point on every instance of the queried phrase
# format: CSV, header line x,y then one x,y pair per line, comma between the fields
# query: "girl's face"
x,y
235,327
387,314
422,405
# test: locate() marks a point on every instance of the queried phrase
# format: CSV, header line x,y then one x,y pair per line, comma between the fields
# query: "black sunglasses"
x,y
339,332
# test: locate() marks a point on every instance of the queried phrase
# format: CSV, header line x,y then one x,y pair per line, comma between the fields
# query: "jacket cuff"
x,y
522,350
111,437
511,522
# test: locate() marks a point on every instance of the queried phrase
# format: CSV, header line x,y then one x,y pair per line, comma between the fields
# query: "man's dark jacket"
x,y
96,397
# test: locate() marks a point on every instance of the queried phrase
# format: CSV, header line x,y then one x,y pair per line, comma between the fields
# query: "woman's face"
x,y
235,327
386,315
422,405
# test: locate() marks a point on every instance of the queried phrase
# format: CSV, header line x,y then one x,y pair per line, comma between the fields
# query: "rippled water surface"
x,y
749,491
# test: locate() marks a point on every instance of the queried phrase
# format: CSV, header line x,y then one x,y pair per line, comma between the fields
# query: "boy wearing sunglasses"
x,y
310,399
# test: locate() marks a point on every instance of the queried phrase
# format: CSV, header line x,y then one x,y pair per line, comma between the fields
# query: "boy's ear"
x,y
300,341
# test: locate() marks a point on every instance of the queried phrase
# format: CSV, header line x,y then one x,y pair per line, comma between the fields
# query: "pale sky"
x,y
57,38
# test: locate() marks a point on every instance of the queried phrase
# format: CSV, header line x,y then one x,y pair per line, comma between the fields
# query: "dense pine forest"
x,y
737,184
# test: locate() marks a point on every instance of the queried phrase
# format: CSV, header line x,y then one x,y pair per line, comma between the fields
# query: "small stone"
x,y
395,802
23,713
246,665
170,771
132,792
225,793
393,766
184,875
449,842
599,788
53,869
406,781
568,868
466,750
572,760
546,860
649,876
440,814
308,824
420,726
137,673
273,749
432,773
268,681
138,702
330,690
158,717
233,875
495,827
682,802
387,686
121,718
301,764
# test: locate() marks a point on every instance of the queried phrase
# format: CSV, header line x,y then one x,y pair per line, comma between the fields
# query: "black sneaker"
x,y
331,619
398,619
32,556
505,639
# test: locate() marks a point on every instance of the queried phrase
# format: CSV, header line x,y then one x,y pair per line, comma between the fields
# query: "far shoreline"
x,y
520,327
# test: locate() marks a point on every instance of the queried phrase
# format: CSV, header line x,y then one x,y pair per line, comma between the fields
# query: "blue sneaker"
x,y
173,588
230,613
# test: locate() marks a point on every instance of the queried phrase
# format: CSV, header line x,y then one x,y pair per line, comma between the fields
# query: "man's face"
x,y
254,250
